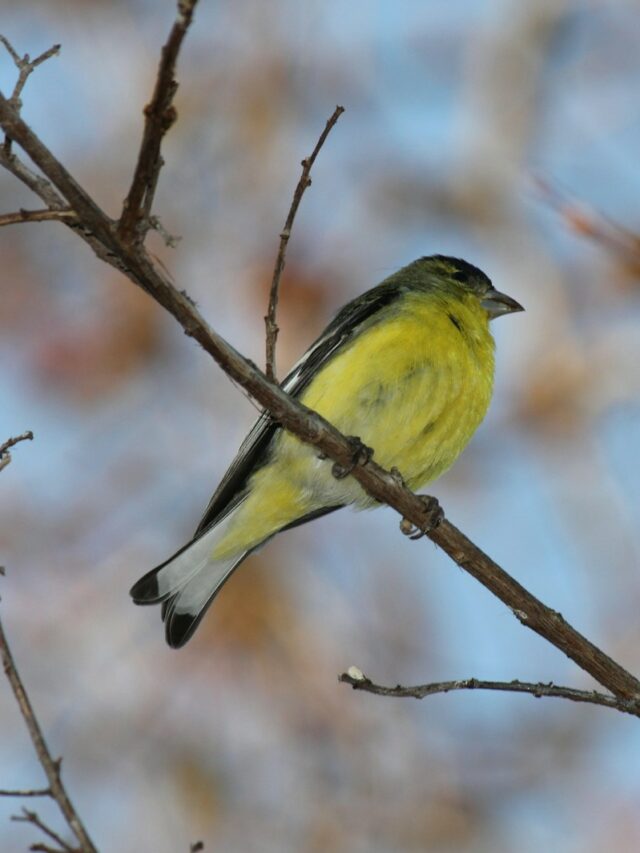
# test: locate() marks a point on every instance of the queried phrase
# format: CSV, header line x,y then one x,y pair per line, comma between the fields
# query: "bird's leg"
x,y
433,515
360,455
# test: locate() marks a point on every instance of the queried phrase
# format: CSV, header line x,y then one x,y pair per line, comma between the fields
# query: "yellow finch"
x,y
407,367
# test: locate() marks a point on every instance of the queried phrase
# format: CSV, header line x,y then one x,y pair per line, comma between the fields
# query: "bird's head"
x,y
457,277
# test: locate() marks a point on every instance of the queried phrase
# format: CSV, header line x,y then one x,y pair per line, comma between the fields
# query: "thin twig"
x,y
26,792
97,229
31,817
5,456
45,215
41,847
27,435
50,766
159,114
285,234
359,681
25,66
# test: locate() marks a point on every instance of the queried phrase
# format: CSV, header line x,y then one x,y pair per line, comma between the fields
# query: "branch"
x,y
50,766
303,183
359,681
45,215
159,114
36,183
31,817
382,485
25,792
5,456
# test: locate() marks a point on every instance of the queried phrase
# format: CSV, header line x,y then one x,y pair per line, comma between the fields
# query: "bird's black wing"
x,y
255,449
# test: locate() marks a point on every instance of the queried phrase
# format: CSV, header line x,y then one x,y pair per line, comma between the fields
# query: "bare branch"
x,y
5,456
303,183
159,114
37,216
50,766
31,817
359,681
26,792
98,231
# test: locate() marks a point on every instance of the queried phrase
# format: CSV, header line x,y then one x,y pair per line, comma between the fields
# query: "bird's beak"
x,y
496,304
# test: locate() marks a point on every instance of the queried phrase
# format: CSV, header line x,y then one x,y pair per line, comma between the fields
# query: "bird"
x,y
407,368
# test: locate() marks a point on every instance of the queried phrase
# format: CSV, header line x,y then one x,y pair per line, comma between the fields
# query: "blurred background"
x,y
502,132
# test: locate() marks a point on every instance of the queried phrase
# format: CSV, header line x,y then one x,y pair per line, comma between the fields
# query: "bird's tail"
x,y
186,584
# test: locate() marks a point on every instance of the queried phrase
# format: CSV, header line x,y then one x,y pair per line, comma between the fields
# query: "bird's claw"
x,y
397,477
361,454
433,515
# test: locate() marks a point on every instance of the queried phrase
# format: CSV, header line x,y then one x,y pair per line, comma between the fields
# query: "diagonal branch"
x,y
303,183
359,681
50,766
159,114
382,485
31,817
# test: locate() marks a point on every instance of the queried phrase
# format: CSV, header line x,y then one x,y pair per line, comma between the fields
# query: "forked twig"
x,y
159,115
285,234
25,66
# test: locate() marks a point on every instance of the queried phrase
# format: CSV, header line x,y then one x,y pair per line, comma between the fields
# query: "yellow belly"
x,y
414,388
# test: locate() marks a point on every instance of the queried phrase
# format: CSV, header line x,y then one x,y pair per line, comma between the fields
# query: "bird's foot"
x,y
433,515
360,455
397,476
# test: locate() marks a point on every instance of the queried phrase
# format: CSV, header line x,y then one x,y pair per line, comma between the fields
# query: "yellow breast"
x,y
414,388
